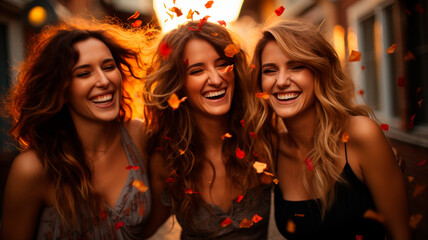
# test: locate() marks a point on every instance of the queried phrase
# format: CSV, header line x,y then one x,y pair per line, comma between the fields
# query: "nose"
x,y
284,79
214,78
102,79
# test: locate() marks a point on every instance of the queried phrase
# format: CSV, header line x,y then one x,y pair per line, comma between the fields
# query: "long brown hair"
x,y
175,130
335,99
41,120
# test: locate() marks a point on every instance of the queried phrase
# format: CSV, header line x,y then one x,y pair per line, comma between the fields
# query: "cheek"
x,y
266,84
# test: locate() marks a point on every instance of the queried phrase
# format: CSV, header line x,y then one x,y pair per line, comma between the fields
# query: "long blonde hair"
x,y
335,99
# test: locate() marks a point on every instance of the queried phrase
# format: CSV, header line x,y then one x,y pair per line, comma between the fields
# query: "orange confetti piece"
x,y
181,151
245,223
118,225
190,191
263,95
132,167
190,14
256,218
253,134
135,15
137,23
140,185
226,222
201,23
418,189
421,163
222,23
239,198
170,15
370,214
291,226
409,56
401,81
279,10
177,11
420,103
410,178
141,210
226,135
355,56
345,137
299,215
276,181
209,4
214,34
239,153
309,164
385,127
231,50
174,102
414,220
391,49
227,69
269,174
253,66
165,50
259,166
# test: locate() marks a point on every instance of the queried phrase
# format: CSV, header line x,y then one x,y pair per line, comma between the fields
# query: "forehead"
x,y
272,51
198,50
92,49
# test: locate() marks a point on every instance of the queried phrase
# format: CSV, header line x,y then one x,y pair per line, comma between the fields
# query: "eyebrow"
x,y
88,65
201,64
274,65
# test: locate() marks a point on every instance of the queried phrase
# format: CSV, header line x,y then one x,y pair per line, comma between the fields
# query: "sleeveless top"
x,y
343,221
207,221
122,221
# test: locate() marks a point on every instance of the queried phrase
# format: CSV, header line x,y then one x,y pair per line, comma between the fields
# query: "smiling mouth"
x,y
287,96
103,99
215,94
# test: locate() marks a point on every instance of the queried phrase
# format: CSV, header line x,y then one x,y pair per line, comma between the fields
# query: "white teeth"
x,y
102,98
287,96
215,94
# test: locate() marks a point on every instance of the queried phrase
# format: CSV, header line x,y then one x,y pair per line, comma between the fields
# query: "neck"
x,y
212,129
301,129
97,137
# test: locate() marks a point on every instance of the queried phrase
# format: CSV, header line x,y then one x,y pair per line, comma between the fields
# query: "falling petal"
x,y
401,81
226,135
410,178
370,214
177,11
308,164
118,225
139,185
279,10
174,102
253,66
135,15
253,134
190,191
209,4
181,151
409,56
165,50
245,223
226,222
412,121
259,166
242,123
227,69
420,103
214,34
419,188
190,14
355,56
414,220
231,50
239,198
299,215
263,95
132,167
421,163
291,226
358,237
391,49
239,153
186,62
170,180
276,181
361,92
385,127
345,137
137,23
363,67
256,218
222,23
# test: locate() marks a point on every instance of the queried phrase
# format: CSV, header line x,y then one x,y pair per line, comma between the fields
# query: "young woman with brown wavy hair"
x,y
333,162
214,192
82,153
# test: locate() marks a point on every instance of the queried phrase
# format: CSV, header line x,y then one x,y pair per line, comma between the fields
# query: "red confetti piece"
x,y
226,135
345,137
140,185
253,134
222,23
421,163
401,81
226,222
209,4
141,210
419,8
132,167
355,56
168,138
181,151
165,50
174,102
186,62
177,11
245,223
361,92
103,215
190,191
231,50
201,23
135,15
242,123
253,66
239,153
412,121
263,95
358,237
118,225
420,103
409,56
239,198
370,214
255,153
279,10
256,218
363,67
259,166
170,180
384,126
227,69
137,23
309,164
391,49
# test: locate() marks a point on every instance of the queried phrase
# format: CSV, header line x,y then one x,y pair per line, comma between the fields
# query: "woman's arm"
x,y
24,197
382,175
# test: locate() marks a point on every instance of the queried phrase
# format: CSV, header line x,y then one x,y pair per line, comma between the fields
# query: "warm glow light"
x,y
37,16
227,10
352,40
339,41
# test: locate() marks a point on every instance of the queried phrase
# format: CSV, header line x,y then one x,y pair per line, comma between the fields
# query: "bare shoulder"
x,y
27,166
364,130
136,129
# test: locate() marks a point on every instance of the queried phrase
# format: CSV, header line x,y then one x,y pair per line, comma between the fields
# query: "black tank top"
x,y
343,221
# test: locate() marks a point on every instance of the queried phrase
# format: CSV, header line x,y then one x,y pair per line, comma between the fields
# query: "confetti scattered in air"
x,y
231,50
132,167
135,15
391,49
385,127
262,95
174,101
226,135
355,56
140,185
239,153
226,222
345,137
259,166
370,214
279,10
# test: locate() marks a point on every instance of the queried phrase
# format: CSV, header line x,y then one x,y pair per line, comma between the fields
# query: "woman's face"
x,y
95,90
290,84
208,86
